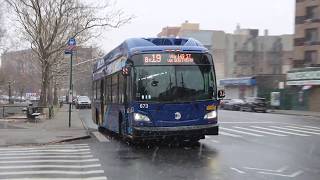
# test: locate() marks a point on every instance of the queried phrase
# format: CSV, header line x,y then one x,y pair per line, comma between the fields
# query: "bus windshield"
x,y
174,83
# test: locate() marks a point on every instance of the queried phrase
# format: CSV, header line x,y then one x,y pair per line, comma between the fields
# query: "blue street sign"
x,y
72,42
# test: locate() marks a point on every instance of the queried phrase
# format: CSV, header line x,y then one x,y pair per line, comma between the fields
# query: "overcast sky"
x,y
151,16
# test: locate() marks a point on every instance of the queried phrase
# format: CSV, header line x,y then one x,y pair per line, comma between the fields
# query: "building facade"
x,y
303,80
21,68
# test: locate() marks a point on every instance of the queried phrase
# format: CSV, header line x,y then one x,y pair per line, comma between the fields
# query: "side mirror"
x,y
126,71
221,94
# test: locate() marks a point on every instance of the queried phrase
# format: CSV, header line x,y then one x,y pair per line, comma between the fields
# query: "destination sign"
x,y
172,58
167,58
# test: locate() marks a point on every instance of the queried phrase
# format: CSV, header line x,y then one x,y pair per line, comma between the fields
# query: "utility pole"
x,y
70,89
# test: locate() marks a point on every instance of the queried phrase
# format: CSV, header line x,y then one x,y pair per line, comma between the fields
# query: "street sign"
x,y
72,42
71,46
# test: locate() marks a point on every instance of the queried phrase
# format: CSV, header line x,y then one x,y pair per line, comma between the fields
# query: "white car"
x,y
83,102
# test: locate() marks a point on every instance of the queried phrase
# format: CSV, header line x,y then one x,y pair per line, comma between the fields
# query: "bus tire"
x,y
101,129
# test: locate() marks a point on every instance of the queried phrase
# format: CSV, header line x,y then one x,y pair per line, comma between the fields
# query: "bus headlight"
x,y
140,117
211,115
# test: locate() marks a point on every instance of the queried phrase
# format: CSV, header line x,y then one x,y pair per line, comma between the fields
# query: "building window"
x,y
311,35
311,57
311,12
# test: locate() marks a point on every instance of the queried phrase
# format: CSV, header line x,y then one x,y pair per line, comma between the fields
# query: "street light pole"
x,y
70,49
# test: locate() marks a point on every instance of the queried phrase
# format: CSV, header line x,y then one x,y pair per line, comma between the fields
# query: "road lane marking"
x,y
100,137
276,130
251,134
51,166
248,122
269,170
43,157
275,134
313,127
237,170
51,160
228,134
52,172
300,131
89,178
295,174
44,153
308,129
48,150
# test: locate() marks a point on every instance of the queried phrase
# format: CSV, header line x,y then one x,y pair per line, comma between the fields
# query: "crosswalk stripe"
x,y
252,134
51,166
44,153
89,178
52,172
313,127
302,128
40,148
48,150
51,160
67,145
254,130
276,130
301,131
228,134
41,157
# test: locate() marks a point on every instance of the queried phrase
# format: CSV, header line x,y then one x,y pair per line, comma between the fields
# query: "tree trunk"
x,y
49,93
44,85
55,94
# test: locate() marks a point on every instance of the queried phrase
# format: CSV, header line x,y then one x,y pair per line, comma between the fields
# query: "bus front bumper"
x,y
156,132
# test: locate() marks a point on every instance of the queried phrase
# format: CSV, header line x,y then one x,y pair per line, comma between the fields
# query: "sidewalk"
x,y
294,112
43,132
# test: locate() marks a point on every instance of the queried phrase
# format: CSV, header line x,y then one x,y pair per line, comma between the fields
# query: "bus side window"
x,y
106,90
121,89
114,92
98,90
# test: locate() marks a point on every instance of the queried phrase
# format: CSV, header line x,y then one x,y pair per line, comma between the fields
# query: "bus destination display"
x,y
182,58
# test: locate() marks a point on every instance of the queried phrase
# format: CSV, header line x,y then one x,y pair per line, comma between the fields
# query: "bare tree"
x,y
2,30
48,24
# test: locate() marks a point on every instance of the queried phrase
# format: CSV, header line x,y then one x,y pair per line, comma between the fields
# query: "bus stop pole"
x,y
70,89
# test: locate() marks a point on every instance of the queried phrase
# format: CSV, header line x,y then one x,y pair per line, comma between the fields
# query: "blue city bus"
x,y
157,88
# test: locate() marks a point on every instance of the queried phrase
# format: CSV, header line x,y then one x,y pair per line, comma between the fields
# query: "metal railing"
x,y
20,111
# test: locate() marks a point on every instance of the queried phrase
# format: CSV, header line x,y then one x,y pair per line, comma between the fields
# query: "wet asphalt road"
x,y
251,146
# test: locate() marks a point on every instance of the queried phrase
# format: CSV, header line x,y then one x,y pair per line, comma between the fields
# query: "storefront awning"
x,y
305,76
243,81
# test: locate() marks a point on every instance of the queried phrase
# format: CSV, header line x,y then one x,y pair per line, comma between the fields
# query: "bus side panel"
x,y
111,120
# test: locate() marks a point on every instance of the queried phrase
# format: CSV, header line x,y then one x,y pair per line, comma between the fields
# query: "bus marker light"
x,y
211,108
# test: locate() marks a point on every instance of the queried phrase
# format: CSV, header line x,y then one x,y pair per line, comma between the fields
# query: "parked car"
x,y
223,102
82,102
233,104
254,104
